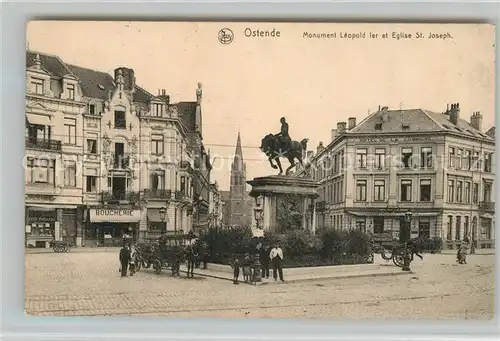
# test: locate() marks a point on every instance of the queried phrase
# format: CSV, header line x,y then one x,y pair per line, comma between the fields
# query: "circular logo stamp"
x,y
225,36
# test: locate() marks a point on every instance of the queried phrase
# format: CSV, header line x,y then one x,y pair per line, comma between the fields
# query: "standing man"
x,y
276,257
284,136
124,260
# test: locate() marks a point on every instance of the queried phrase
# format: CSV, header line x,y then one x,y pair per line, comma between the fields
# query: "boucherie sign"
x,y
114,215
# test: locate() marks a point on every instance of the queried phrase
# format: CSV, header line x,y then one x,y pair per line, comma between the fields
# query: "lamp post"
x,y
258,211
163,211
405,239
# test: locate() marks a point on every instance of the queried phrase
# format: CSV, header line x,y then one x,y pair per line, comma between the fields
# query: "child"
x,y
236,270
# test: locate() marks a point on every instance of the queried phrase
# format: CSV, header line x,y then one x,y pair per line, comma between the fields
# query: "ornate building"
x,y
237,202
118,156
435,165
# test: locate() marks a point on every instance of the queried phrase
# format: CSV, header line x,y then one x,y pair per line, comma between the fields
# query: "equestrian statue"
x,y
280,145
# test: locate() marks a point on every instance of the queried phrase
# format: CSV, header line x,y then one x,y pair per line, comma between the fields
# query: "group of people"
x,y
128,255
267,258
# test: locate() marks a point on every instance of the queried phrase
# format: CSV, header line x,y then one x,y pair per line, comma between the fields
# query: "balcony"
x,y
120,196
121,161
158,193
44,144
179,195
487,206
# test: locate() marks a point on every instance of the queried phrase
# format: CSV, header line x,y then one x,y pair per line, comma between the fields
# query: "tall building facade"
x,y
106,157
435,165
238,203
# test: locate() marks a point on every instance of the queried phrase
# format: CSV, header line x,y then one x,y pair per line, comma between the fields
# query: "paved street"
x,y
89,284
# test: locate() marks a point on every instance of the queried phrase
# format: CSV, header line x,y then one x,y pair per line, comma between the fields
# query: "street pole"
x,y
406,252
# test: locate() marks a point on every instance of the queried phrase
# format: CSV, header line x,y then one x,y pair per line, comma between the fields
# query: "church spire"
x,y
238,155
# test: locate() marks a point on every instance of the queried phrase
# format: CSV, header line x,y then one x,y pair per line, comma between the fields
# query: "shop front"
x,y
108,226
41,226
157,222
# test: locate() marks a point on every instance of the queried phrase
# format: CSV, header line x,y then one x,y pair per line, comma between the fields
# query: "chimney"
x,y
38,61
385,114
163,92
159,92
128,78
341,127
351,122
334,134
320,147
454,113
476,120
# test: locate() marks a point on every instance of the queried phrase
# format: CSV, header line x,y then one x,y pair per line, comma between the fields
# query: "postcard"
x,y
260,169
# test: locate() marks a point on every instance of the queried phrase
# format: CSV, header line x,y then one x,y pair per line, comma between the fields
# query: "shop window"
x,y
378,225
361,225
424,227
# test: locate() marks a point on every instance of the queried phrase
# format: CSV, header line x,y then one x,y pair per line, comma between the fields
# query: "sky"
x,y
249,84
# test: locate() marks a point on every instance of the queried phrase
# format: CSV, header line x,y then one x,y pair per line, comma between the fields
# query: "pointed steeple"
x,y
238,163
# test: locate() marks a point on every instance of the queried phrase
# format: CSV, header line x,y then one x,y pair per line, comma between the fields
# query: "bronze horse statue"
x,y
271,145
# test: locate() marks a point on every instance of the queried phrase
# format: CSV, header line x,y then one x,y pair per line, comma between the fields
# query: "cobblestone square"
x,y
89,283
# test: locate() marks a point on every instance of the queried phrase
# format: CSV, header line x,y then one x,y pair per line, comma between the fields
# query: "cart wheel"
x,y
157,266
398,259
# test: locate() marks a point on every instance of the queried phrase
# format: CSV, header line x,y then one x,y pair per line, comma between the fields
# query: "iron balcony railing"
x,y
487,205
36,143
120,196
121,161
180,195
158,193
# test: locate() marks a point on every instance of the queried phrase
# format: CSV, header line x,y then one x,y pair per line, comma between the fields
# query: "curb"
x,y
308,279
72,250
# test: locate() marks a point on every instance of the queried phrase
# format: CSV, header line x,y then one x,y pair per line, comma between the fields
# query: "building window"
x,y
37,86
451,190
92,109
467,193
466,162
449,227
457,228
379,187
91,184
379,158
487,192
70,174
361,155
405,190
361,225
425,190
458,159
426,157
451,158
424,227
487,162
378,126
475,161
71,91
360,190
70,130
485,228
406,154
466,227
157,180
92,146
475,193
120,121
183,184
157,144
40,171
378,225
459,192
157,109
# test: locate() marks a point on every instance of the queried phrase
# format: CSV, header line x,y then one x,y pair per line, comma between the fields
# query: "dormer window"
x,y
157,110
37,86
378,126
71,91
405,126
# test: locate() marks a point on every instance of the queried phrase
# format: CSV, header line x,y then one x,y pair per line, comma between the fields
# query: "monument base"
x,y
285,202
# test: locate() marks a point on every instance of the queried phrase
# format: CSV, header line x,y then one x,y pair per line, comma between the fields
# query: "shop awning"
x,y
41,207
99,215
38,119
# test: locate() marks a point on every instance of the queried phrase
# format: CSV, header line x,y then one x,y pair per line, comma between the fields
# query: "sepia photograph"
x,y
260,170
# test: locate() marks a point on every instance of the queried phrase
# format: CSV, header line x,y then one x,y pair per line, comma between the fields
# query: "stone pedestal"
x,y
278,194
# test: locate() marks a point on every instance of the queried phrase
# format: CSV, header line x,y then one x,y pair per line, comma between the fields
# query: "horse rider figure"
x,y
284,137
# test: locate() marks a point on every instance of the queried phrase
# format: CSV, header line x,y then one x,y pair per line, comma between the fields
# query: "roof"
x,y
95,84
414,120
187,112
238,162
491,132
53,64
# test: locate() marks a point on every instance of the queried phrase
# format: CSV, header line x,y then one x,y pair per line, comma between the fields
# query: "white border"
x,y
16,325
